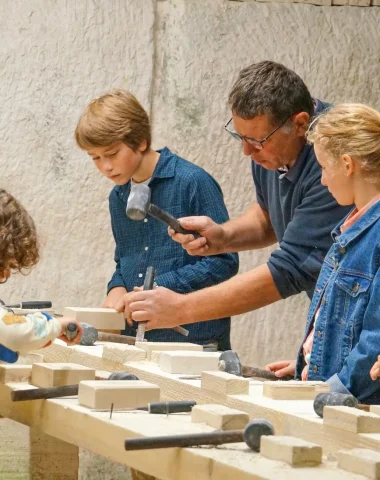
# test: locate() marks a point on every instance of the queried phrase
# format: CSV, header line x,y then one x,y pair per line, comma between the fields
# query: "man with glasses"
x,y
271,112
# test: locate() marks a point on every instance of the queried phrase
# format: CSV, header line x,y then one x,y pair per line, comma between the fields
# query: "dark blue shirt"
x,y
182,189
303,213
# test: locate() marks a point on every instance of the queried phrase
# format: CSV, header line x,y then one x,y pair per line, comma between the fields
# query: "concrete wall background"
x,y
180,58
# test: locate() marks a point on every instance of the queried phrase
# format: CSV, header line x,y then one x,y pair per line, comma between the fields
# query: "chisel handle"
x,y
71,331
171,407
37,305
44,393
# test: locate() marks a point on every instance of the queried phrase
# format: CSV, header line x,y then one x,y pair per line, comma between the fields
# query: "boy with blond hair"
x,y
115,131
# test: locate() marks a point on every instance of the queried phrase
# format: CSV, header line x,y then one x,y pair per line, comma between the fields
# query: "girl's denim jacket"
x,y
347,333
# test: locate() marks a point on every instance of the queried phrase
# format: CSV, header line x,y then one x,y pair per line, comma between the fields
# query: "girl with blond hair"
x,y
342,334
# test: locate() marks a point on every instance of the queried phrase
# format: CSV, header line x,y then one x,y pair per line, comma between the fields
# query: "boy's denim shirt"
x,y
347,332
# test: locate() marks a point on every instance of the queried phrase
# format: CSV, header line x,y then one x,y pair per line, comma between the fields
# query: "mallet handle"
x,y
169,220
190,440
44,393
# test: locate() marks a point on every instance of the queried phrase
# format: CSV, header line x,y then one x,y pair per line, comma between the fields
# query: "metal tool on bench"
x,y
62,391
148,285
251,435
91,335
138,206
229,362
32,305
163,408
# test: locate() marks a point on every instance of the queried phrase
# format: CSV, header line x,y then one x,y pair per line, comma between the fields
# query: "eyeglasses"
x,y
259,144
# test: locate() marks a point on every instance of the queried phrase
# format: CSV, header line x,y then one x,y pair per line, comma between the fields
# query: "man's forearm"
x,y
252,230
241,294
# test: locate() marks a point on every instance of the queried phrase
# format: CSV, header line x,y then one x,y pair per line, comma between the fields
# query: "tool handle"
x,y
116,338
261,373
171,407
32,305
190,440
149,278
71,331
148,285
44,393
169,220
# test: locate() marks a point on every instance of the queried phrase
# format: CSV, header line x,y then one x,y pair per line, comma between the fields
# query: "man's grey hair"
x,y
269,88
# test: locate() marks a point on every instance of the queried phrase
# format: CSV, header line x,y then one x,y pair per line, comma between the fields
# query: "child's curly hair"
x,y
19,249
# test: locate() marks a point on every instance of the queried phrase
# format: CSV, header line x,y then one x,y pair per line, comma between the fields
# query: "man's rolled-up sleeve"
x,y
295,266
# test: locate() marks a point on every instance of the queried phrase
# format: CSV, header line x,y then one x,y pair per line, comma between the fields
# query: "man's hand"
x,y
282,368
114,297
64,322
160,307
211,241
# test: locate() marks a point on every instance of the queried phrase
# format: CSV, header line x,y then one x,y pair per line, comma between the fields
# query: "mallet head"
x,y
333,399
255,430
138,202
90,335
229,362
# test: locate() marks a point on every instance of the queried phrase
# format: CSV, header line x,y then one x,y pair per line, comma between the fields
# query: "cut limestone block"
x,y
292,450
122,353
360,460
351,419
375,409
15,373
294,390
155,356
163,346
219,416
100,318
58,374
100,394
225,383
192,363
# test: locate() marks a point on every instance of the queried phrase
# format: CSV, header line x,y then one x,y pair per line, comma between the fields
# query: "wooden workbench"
x,y
72,424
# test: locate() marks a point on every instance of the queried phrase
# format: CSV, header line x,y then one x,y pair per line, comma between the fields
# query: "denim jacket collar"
x,y
364,222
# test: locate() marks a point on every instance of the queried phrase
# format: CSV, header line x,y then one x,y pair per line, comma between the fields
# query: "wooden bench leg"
x,y
52,458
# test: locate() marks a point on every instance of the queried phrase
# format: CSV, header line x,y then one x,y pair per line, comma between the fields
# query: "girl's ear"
x,y
348,164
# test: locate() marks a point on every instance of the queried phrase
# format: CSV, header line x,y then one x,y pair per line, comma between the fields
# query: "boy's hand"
x,y
375,370
64,322
282,368
114,297
211,241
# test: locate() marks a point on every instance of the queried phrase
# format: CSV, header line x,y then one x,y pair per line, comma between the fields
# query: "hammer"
x,y
138,206
229,362
336,399
91,335
62,391
251,435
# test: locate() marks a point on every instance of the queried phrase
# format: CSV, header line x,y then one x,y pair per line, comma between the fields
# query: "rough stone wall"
x,y
180,57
